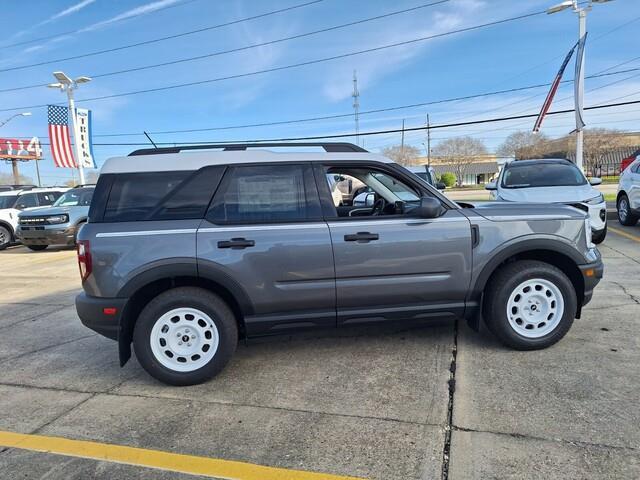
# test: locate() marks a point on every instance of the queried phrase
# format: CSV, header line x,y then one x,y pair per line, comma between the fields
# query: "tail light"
x,y
84,259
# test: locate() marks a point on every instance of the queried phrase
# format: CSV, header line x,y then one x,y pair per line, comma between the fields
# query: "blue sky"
x,y
515,54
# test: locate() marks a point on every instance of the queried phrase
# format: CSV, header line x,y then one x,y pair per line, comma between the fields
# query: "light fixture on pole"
x,y
66,84
579,90
22,114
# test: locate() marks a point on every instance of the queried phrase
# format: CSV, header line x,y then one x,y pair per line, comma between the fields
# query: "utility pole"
x,y
428,142
356,106
65,84
402,141
582,11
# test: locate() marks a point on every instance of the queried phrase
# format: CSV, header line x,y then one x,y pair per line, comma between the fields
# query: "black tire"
x,y
186,297
5,237
628,220
598,237
504,283
37,248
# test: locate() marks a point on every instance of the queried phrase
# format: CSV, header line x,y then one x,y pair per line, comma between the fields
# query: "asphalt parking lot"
x,y
359,403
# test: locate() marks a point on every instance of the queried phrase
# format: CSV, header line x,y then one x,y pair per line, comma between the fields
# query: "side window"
x,y
177,195
636,167
47,198
266,193
27,200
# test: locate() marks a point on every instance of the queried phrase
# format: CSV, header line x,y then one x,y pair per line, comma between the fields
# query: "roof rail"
x,y
328,147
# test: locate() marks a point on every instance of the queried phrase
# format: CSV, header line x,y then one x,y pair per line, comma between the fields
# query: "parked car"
x,y
628,198
12,202
185,252
629,160
552,181
428,174
6,188
57,224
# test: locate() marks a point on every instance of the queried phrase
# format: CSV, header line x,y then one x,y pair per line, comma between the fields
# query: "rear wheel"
x,y
185,336
5,237
37,248
625,215
530,305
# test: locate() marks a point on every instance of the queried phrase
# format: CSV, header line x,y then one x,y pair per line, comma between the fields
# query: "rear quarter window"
x,y
176,195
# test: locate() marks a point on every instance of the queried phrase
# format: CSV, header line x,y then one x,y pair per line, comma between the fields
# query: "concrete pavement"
x,y
371,403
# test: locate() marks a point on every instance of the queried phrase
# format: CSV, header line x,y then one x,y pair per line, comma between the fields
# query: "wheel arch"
x,y
553,252
145,286
8,226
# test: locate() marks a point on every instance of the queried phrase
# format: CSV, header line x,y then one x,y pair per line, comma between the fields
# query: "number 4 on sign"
x,y
34,147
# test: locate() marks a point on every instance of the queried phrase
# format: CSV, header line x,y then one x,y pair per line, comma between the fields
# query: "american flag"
x,y
59,137
552,92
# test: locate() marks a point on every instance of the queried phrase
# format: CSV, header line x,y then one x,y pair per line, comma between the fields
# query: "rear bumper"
x,y
46,236
91,311
591,274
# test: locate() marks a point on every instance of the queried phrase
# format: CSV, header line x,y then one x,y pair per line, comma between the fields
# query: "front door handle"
x,y
361,237
236,243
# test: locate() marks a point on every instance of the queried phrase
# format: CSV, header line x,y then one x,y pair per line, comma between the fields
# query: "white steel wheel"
x,y
535,308
184,339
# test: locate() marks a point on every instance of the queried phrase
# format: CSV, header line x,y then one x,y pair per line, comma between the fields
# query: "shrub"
x,y
448,178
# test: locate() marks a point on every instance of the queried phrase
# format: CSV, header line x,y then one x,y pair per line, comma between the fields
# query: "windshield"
x,y
7,201
542,175
73,198
400,190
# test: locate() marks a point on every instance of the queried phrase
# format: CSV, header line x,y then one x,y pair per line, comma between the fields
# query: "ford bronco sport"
x,y
188,249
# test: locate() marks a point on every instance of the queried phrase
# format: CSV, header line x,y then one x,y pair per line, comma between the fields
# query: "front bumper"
x,y
591,275
91,311
597,216
49,235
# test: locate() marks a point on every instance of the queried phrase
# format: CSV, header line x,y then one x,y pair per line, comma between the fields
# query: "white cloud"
x,y
134,12
68,11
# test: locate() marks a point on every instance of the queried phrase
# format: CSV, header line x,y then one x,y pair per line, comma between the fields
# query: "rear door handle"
x,y
236,243
361,237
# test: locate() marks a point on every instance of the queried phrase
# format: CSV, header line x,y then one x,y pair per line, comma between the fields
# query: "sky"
x,y
504,56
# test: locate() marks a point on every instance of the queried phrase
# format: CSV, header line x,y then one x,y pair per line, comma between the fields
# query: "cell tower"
x,y
356,105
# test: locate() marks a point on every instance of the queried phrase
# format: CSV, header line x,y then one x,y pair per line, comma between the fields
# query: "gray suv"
x,y
188,249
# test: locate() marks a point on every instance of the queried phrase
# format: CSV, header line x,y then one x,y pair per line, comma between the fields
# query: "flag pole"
x,y
579,97
76,136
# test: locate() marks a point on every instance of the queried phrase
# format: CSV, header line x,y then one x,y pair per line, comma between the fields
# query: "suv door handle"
x,y
361,237
236,243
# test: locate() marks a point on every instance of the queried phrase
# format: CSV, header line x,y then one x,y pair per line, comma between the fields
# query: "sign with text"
x,y
20,149
83,116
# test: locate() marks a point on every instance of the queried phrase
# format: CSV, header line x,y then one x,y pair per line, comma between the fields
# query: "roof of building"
x,y
470,169
195,160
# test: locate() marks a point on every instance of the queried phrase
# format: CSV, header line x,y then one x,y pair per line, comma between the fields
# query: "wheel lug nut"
x,y
178,334
189,344
193,337
180,343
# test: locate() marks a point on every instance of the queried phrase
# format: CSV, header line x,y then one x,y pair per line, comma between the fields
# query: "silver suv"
x,y
188,249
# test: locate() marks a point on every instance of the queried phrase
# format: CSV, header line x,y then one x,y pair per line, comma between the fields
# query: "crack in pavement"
x,y
621,253
524,436
2,360
630,295
446,450
60,308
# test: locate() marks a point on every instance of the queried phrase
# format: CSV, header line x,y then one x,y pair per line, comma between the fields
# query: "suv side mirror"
x,y
440,186
430,207
595,181
491,186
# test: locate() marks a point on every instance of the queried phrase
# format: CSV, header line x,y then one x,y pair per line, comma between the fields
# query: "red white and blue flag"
x,y
552,92
59,137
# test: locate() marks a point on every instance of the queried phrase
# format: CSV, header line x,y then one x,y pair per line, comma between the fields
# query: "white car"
x,y
628,198
12,202
552,181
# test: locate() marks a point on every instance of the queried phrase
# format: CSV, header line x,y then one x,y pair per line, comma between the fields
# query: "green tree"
x,y
448,178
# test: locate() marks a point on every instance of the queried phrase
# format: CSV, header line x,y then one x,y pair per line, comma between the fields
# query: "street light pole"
x,y
67,85
579,100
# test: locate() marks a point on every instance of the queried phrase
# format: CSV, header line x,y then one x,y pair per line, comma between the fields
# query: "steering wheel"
x,y
378,207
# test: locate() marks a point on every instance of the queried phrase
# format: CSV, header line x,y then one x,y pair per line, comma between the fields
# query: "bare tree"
x,y
406,155
7,179
598,142
523,144
459,152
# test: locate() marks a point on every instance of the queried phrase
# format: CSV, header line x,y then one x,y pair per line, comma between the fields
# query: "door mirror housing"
x,y
595,181
491,186
440,186
430,207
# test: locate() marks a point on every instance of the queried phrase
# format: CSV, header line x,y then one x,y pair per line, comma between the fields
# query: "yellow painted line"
x,y
625,234
173,462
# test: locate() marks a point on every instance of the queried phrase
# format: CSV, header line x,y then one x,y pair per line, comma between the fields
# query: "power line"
x,y
295,65
161,39
84,29
225,52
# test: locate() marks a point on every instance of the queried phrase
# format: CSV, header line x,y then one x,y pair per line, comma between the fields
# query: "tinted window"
x,y
7,201
542,175
48,198
27,200
73,198
265,194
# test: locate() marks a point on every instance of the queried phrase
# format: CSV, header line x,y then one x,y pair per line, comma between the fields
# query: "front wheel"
x,y
625,215
5,237
599,236
185,336
529,305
